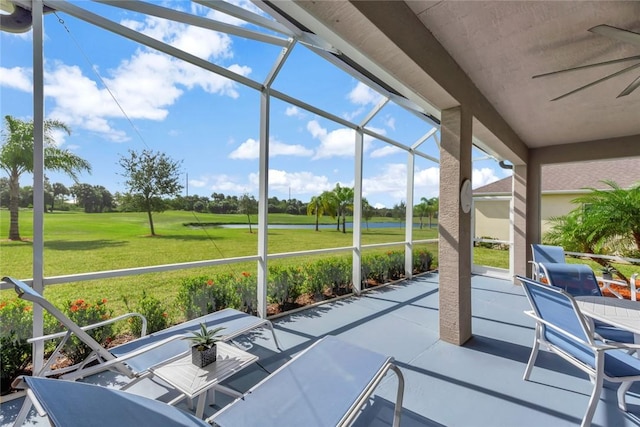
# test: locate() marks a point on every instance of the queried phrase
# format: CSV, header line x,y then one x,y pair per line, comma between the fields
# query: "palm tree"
x,y
421,209
16,157
331,205
316,207
433,204
344,195
367,211
613,213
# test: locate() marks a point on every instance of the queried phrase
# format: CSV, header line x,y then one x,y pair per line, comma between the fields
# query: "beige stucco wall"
x,y
492,215
492,218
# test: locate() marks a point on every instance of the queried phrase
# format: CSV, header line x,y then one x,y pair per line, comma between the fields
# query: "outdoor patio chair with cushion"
x,y
547,254
136,357
562,329
75,404
325,385
580,280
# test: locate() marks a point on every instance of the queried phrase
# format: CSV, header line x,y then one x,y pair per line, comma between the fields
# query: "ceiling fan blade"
x,y
613,61
610,76
617,33
633,86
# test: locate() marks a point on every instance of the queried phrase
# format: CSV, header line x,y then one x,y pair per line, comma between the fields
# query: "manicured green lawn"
x,y
76,242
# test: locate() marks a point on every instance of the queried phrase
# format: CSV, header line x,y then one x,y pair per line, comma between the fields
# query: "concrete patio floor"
x,y
478,384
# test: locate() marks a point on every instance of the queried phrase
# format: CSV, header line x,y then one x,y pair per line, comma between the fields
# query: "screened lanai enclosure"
x,y
288,99
294,79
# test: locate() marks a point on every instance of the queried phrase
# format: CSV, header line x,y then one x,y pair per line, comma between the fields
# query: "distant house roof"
x,y
576,176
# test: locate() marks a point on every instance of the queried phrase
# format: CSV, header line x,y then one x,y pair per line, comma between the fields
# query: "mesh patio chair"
x,y
546,254
136,357
580,280
562,329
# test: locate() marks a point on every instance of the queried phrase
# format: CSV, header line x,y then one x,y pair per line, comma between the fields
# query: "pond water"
x,y
325,226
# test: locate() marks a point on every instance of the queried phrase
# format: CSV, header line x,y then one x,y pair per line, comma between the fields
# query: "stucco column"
x,y
518,253
533,201
454,248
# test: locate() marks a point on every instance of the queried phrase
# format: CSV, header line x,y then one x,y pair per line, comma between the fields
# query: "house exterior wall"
x,y
492,218
492,214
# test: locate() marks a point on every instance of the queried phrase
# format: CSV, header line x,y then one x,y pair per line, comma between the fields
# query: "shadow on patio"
x,y
478,384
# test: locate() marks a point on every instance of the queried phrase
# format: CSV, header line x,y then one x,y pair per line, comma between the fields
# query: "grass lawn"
x,y
76,242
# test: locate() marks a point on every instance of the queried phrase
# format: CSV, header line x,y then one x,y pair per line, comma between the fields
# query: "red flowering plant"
x,y
84,313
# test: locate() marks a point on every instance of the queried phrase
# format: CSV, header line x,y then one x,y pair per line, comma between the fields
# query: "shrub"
x,y
16,322
247,291
153,310
285,284
335,273
203,294
315,283
422,260
83,314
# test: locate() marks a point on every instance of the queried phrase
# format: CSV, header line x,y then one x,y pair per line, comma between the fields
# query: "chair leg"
x,y
273,331
24,411
533,356
622,390
595,398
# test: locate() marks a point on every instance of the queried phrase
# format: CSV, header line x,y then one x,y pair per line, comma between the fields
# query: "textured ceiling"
x,y
501,44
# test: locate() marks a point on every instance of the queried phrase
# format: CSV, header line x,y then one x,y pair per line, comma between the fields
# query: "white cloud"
x,y
363,95
226,184
392,183
59,137
293,111
144,85
387,150
198,183
197,41
391,122
16,78
483,176
250,149
338,142
352,115
301,184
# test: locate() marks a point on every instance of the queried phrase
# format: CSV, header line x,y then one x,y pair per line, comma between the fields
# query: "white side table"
x,y
193,381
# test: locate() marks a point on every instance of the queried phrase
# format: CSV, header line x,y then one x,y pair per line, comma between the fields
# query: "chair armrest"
x,y
87,371
607,282
94,326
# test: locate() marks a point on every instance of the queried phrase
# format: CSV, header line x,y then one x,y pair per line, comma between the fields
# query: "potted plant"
x,y
203,345
608,272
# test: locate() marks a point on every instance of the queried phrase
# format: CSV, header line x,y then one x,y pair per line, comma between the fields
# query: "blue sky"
x,y
118,95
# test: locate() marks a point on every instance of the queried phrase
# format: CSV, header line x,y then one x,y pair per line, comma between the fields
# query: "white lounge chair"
x,y
325,385
136,357
562,329
75,404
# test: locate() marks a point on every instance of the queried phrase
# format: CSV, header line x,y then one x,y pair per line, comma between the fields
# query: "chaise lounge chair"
x,y
562,329
325,385
75,404
136,357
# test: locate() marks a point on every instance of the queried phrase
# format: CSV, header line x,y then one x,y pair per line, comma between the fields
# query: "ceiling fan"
x,y
614,33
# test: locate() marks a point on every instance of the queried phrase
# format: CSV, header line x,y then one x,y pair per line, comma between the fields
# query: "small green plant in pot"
x,y
608,271
203,345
